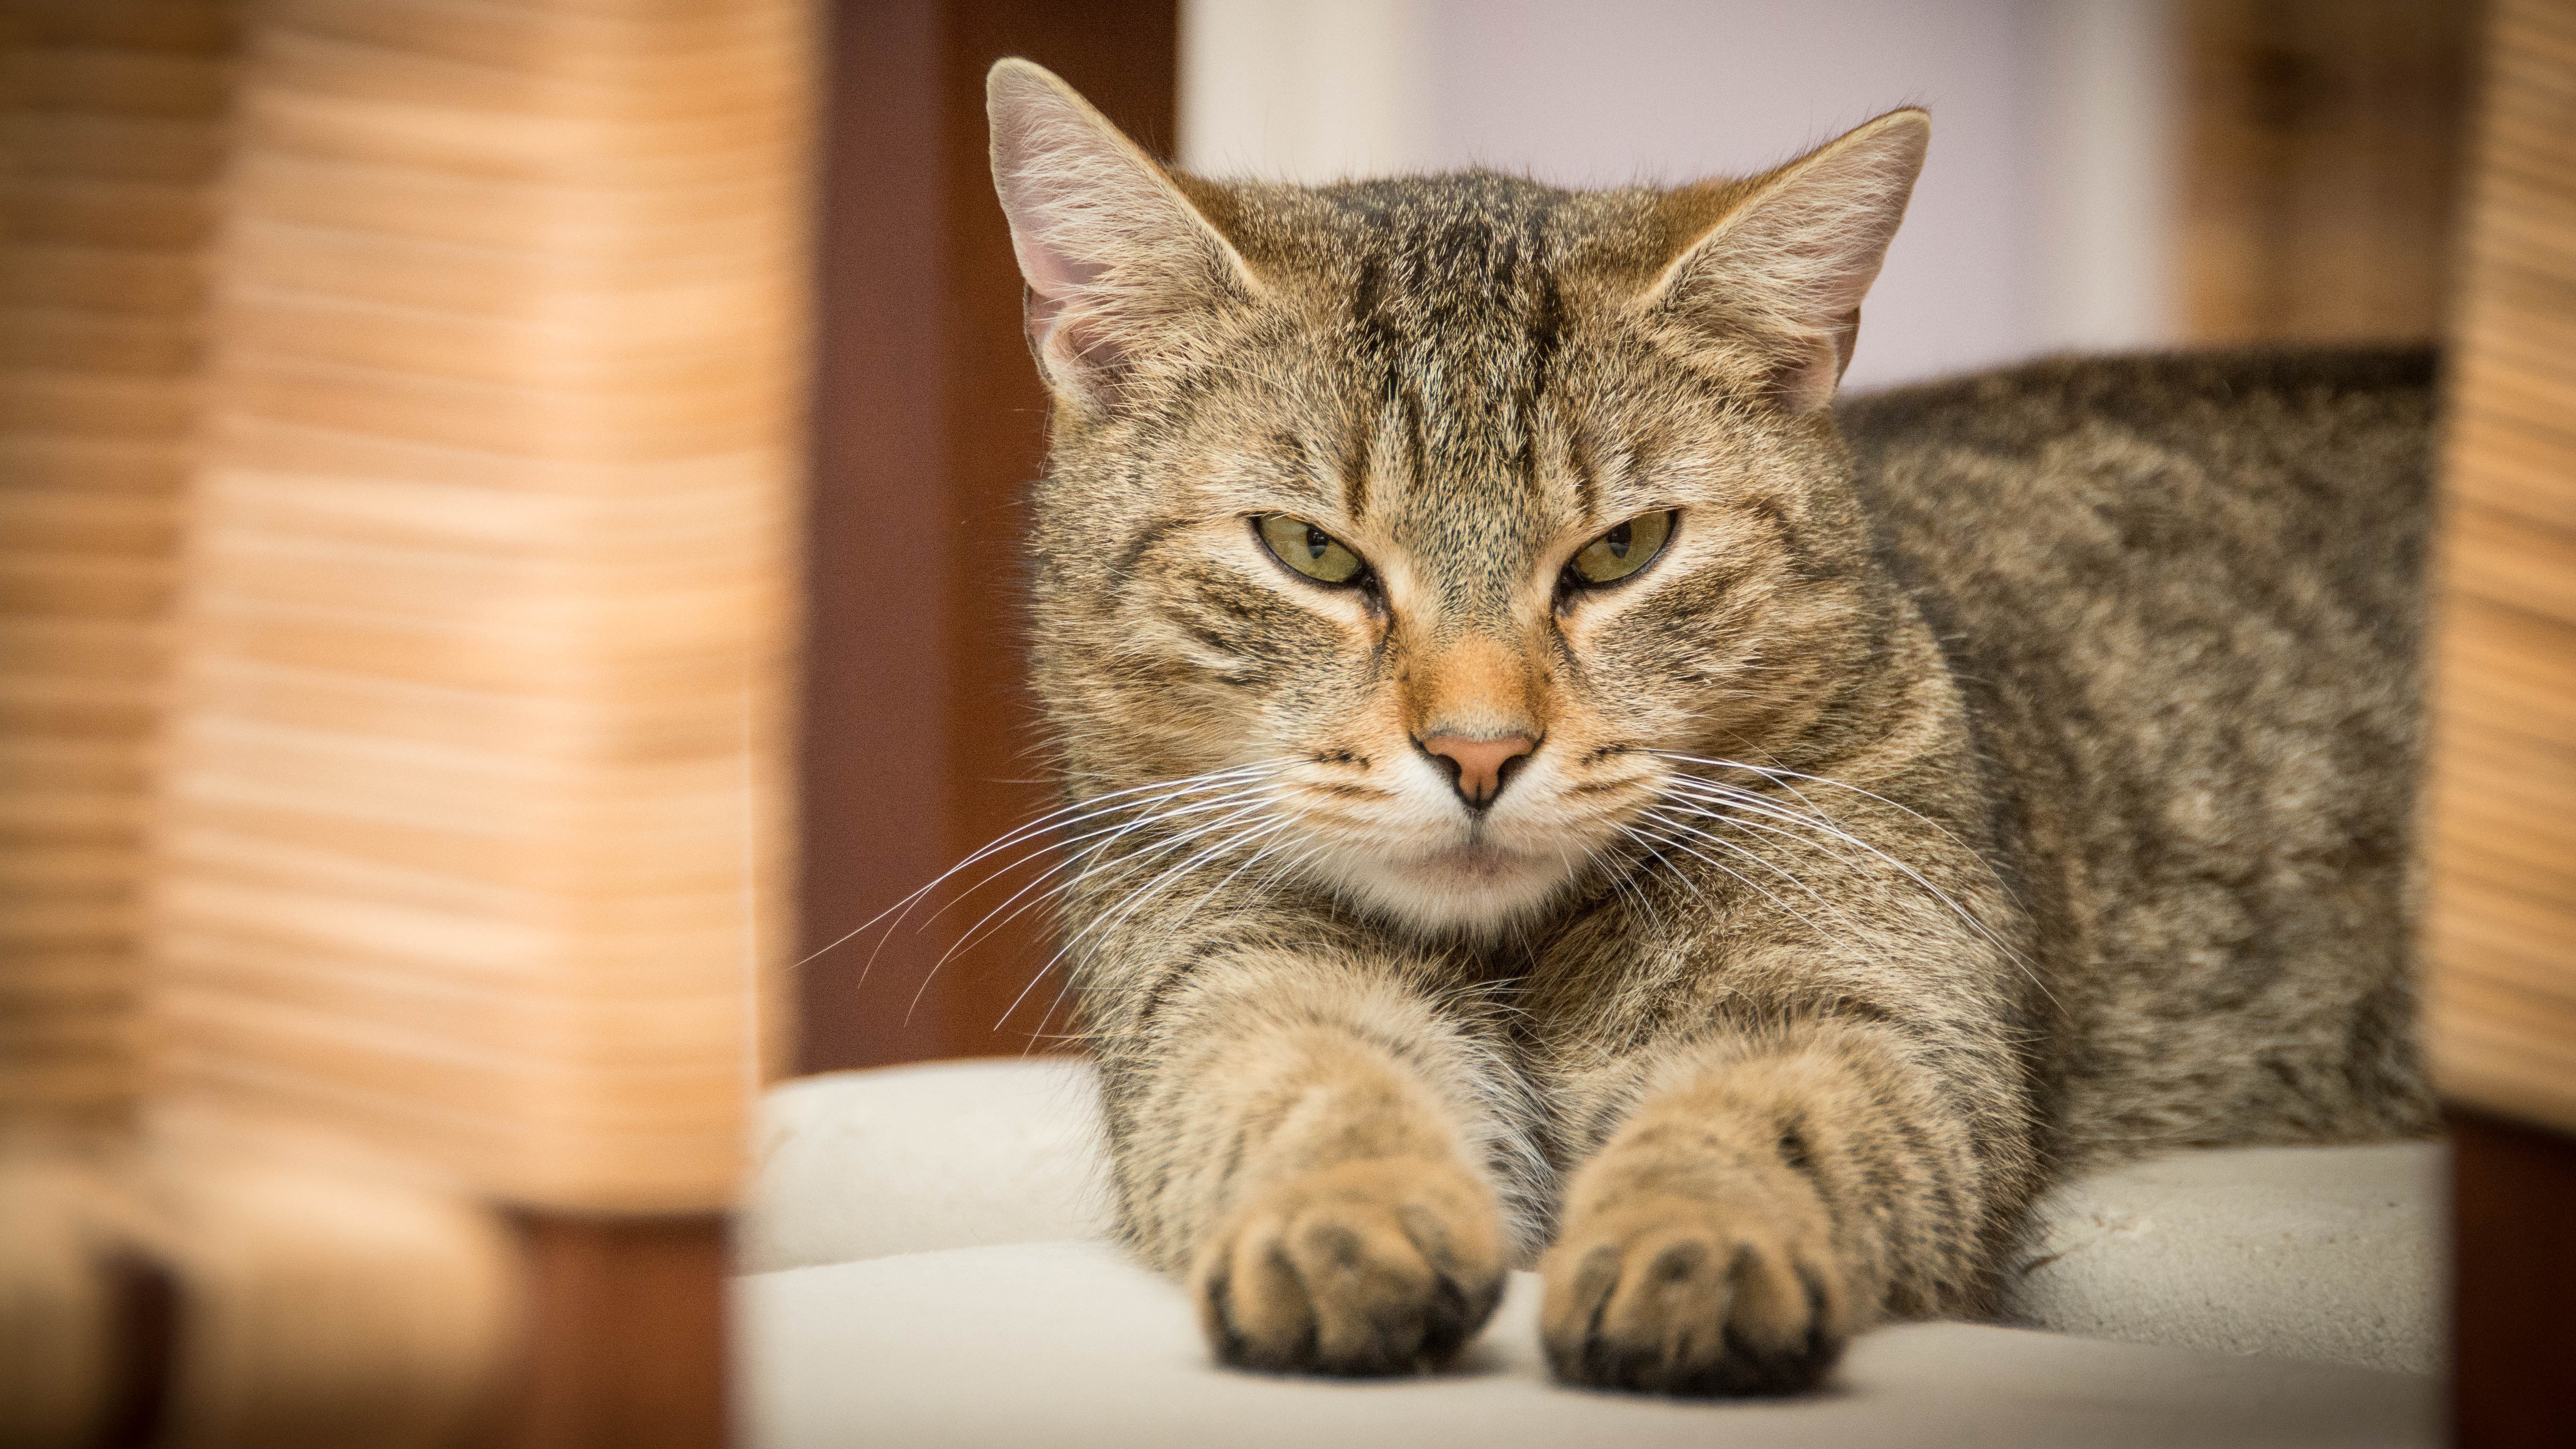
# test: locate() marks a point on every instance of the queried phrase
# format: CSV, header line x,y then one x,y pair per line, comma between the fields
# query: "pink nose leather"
x,y
1480,762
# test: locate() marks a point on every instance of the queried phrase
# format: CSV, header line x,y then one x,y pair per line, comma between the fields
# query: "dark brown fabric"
x,y
928,423
2514,1341
625,1334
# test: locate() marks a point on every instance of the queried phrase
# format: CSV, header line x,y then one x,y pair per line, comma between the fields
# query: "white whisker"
x,y
1080,859
1747,800
1755,885
1095,806
1159,849
1137,898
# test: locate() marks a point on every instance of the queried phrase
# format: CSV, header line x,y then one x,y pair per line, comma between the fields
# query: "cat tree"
x,y
397,864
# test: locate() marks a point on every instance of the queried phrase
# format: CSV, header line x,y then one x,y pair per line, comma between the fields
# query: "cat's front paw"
x,y
1698,1294
1377,1267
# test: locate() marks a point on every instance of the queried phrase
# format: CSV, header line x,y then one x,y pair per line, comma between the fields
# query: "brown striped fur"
x,y
1986,780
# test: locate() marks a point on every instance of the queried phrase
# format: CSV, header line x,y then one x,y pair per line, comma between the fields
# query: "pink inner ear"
x,y
1823,258
1109,248
1055,280
1796,261
1809,382
1035,137
1055,198
1056,276
1051,271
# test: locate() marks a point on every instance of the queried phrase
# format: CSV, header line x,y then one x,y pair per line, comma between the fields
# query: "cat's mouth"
x,y
1480,860
1470,881
1473,885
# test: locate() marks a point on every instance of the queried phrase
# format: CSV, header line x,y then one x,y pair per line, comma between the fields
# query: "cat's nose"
x,y
1479,768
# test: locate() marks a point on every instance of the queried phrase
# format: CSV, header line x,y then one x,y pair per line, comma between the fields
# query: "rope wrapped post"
x,y
475,818
111,126
456,724
151,1293
2501,810
2500,805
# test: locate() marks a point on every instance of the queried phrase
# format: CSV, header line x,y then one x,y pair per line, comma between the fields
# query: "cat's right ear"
x,y
1775,286
1119,264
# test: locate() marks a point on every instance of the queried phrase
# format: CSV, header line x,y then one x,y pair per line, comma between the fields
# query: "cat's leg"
x,y
1310,1142
1763,1196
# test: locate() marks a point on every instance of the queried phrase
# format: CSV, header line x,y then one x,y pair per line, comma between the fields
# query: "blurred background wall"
x,y
2044,218
2104,174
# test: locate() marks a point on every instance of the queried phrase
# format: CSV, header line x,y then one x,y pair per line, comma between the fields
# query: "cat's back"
x,y
2183,597
2223,491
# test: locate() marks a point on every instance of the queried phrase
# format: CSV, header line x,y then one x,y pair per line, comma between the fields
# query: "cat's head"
x,y
1420,523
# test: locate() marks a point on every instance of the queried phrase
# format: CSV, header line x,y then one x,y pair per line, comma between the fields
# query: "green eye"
x,y
1623,550
1308,549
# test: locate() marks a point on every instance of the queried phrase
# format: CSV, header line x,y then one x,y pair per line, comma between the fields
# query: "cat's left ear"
x,y
1778,279
1119,263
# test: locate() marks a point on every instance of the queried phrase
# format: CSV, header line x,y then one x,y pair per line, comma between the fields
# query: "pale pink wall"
x,y
1671,89
2043,221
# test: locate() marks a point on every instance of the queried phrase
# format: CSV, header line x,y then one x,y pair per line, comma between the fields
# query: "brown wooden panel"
x,y
874,755
625,1344
929,423
2512,1191
2320,155
1126,59
146,1297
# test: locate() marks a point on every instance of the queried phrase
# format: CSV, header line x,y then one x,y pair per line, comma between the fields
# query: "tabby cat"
x,y
1553,787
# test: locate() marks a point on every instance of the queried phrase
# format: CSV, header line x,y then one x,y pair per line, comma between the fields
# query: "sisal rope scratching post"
x,y
475,820
111,126
456,726
110,116
2500,821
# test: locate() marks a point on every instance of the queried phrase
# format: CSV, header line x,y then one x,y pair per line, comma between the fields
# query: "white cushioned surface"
x,y
1069,1345
2326,1253
928,1269
852,1165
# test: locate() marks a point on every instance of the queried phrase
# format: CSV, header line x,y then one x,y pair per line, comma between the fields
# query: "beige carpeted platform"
x,y
1068,1345
925,1264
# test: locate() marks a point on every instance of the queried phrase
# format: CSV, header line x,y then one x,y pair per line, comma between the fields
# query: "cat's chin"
x,y
1462,890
